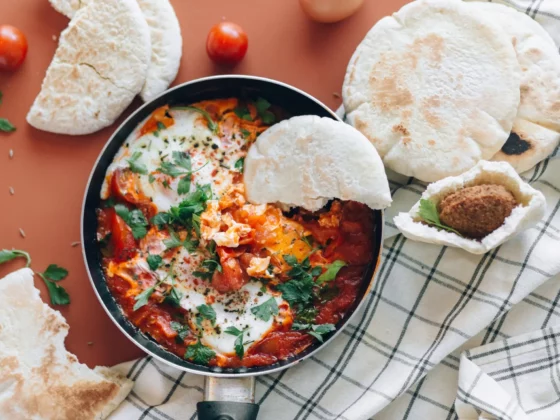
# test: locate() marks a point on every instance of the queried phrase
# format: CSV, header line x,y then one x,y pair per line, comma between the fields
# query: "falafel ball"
x,y
477,211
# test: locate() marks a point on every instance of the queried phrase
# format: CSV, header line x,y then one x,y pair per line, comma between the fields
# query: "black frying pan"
x,y
232,398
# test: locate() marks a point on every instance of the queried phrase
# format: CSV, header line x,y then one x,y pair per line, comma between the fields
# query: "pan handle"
x,y
228,399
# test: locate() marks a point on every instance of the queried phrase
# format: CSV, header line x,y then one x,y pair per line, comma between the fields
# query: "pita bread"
x,y
99,66
540,88
435,88
165,36
528,213
39,379
527,145
305,161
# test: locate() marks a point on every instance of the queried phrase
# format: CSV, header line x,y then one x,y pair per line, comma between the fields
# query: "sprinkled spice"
x,y
12,192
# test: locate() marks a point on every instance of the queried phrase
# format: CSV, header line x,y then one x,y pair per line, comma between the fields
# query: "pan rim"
x,y
265,369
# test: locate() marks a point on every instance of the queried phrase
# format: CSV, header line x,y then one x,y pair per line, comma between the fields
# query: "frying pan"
x,y
229,392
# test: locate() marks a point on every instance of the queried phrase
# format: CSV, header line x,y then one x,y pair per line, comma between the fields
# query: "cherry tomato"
x,y
122,238
227,43
13,48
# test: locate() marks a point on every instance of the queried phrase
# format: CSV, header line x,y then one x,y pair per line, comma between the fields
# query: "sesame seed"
x,y
11,154
90,343
12,192
336,95
21,232
75,244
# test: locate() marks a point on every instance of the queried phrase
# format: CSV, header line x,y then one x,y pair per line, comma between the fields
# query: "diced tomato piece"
x,y
123,241
283,344
232,276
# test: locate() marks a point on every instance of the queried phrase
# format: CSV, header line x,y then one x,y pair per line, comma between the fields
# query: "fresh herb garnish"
x,y
212,125
207,312
240,164
181,166
184,214
262,106
297,292
331,272
154,261
173,298
135,219
317,331
6,126
211,264
57,293
199,353
429,214
239,344
142,298
10,254
245,133
135,166
174,241
160,220
151,179
266,310
182,331
243,113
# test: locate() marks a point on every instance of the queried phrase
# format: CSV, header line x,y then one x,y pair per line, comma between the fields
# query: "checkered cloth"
x,y
432,337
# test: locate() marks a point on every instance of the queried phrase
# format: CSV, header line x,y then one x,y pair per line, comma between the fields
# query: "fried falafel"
x,y
477,211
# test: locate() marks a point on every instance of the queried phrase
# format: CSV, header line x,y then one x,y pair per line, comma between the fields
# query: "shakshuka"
x,y
209,276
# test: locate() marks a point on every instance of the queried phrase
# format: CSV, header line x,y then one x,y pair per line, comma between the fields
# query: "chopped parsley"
x,y
245,133
154,261
173,298
243,113
317,331
331,272
212,125
135,166
51,276
207,312
6,126
174,241
182,331
240,164
142,298
199,353
209,265
239,344
429,214
266,116
133,218
266,310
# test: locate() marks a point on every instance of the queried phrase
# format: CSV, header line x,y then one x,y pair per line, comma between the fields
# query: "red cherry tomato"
x,y
13,48
227,43
122,238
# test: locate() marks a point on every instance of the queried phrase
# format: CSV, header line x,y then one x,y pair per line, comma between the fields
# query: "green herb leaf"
x,y
319,330
199,353
170,169
173,298
184,185
331,272
6,126
55,273
239,165
266,310
233,331
290,260
151,178
135,219
243,113
297,292
211,123
160,220
142,298
207,312
10,254
245,133
58,295
182,159
182,330
429,214
136,166
154,261
173,241
298,326
307,314
262,106
239,347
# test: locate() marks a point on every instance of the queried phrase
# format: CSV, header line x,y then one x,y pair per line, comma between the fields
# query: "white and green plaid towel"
x,y
435,338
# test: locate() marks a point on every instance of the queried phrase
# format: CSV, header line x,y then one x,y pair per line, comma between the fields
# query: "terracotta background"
x,y
49,172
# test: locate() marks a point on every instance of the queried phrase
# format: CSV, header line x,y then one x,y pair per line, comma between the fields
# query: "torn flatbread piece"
x,y
100,65
165,36
435,88
526,210
307,160
39,379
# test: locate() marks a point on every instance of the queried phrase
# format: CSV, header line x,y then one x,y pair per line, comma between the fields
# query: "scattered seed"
x,y
54,37
11,153
74,244
21,232
90,343
12,192
336,95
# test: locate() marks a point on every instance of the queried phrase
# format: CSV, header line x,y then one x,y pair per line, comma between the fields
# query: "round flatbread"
x,y
527,145
165,36
39,379
435,88
532,138
305,161
100,65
